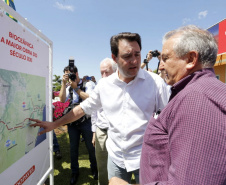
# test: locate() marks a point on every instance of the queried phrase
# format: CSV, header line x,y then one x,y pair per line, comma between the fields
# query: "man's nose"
x,y
161,65
133,60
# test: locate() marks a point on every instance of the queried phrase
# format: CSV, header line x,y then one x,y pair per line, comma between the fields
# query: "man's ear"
x,y
114,58
193,61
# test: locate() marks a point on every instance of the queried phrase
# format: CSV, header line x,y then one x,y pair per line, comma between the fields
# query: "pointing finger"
x,y
34,125
35,120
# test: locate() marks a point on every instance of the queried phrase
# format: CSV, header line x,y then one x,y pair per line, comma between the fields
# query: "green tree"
x,y
155,71
56,83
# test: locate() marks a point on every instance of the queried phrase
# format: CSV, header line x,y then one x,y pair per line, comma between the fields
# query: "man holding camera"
x,y
72,88
149,56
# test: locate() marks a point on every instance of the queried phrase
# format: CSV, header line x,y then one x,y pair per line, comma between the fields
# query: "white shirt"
x,y
89,86
99,120
128,107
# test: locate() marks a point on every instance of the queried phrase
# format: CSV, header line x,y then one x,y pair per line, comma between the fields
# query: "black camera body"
x,y
71,75
155,53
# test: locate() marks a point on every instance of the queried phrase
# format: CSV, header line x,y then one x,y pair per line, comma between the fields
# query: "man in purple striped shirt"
x,y
186,144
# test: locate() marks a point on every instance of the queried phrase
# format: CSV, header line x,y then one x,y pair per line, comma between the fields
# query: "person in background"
x,y
100,126
89,83
129,98
93,79
78,92
56,147
89,79
160,73
149,56
186,143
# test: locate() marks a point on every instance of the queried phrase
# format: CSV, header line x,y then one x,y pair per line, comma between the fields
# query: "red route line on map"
x,y
22,121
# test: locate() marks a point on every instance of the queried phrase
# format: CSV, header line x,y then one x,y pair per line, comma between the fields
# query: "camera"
x,y
88,78
71,75
155,53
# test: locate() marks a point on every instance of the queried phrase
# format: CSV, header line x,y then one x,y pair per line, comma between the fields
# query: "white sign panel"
x,y
24,94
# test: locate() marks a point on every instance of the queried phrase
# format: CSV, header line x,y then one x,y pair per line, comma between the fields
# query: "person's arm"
x,y
93,79
93,128
143,65
73,115
89,86
62,94
148,58
82,94
94,139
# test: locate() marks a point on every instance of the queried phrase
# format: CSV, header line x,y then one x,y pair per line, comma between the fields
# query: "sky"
x,y
82,28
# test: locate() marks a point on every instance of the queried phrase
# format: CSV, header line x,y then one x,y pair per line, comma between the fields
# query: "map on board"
x,y
22,96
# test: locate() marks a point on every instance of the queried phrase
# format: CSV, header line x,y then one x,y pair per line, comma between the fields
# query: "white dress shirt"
x,y
89,86
99,120
128,107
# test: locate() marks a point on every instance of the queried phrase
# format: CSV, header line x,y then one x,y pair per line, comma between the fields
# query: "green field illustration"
x,y
22,96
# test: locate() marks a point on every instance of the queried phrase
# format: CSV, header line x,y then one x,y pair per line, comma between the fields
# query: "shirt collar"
x,y
140,75
177,87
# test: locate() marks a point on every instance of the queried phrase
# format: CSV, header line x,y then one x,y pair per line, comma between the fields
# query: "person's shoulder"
x,y
108,79
154,76
90,83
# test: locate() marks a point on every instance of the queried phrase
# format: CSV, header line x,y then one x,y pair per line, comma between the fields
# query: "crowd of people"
x,y
163,129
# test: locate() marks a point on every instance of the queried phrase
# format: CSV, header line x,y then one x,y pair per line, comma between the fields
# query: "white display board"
x,y
25,92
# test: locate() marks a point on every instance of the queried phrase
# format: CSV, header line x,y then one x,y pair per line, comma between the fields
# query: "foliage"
x,y
155,71
56,83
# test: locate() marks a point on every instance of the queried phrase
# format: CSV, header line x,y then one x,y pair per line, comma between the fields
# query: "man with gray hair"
x,y
107,67
186,144
100,127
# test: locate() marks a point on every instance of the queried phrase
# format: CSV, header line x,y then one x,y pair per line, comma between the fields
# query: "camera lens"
x,y
72,76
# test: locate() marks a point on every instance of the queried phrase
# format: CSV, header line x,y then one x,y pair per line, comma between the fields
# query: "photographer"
x,y
72,86
149,56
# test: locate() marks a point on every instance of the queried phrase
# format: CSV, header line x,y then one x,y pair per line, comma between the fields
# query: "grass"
x,y
62,171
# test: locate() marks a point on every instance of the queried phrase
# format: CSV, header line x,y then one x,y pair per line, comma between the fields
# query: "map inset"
x,y
22,96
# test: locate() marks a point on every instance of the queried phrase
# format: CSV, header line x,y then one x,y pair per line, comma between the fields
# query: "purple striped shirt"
x,y
186,144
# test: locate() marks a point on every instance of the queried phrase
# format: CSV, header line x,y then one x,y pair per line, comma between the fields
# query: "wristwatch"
x,y
145,61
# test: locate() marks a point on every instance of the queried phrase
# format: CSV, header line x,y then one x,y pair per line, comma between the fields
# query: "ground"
x,y
61,130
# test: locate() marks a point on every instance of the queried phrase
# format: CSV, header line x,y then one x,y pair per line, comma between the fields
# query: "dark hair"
x,y
75,69
124,35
